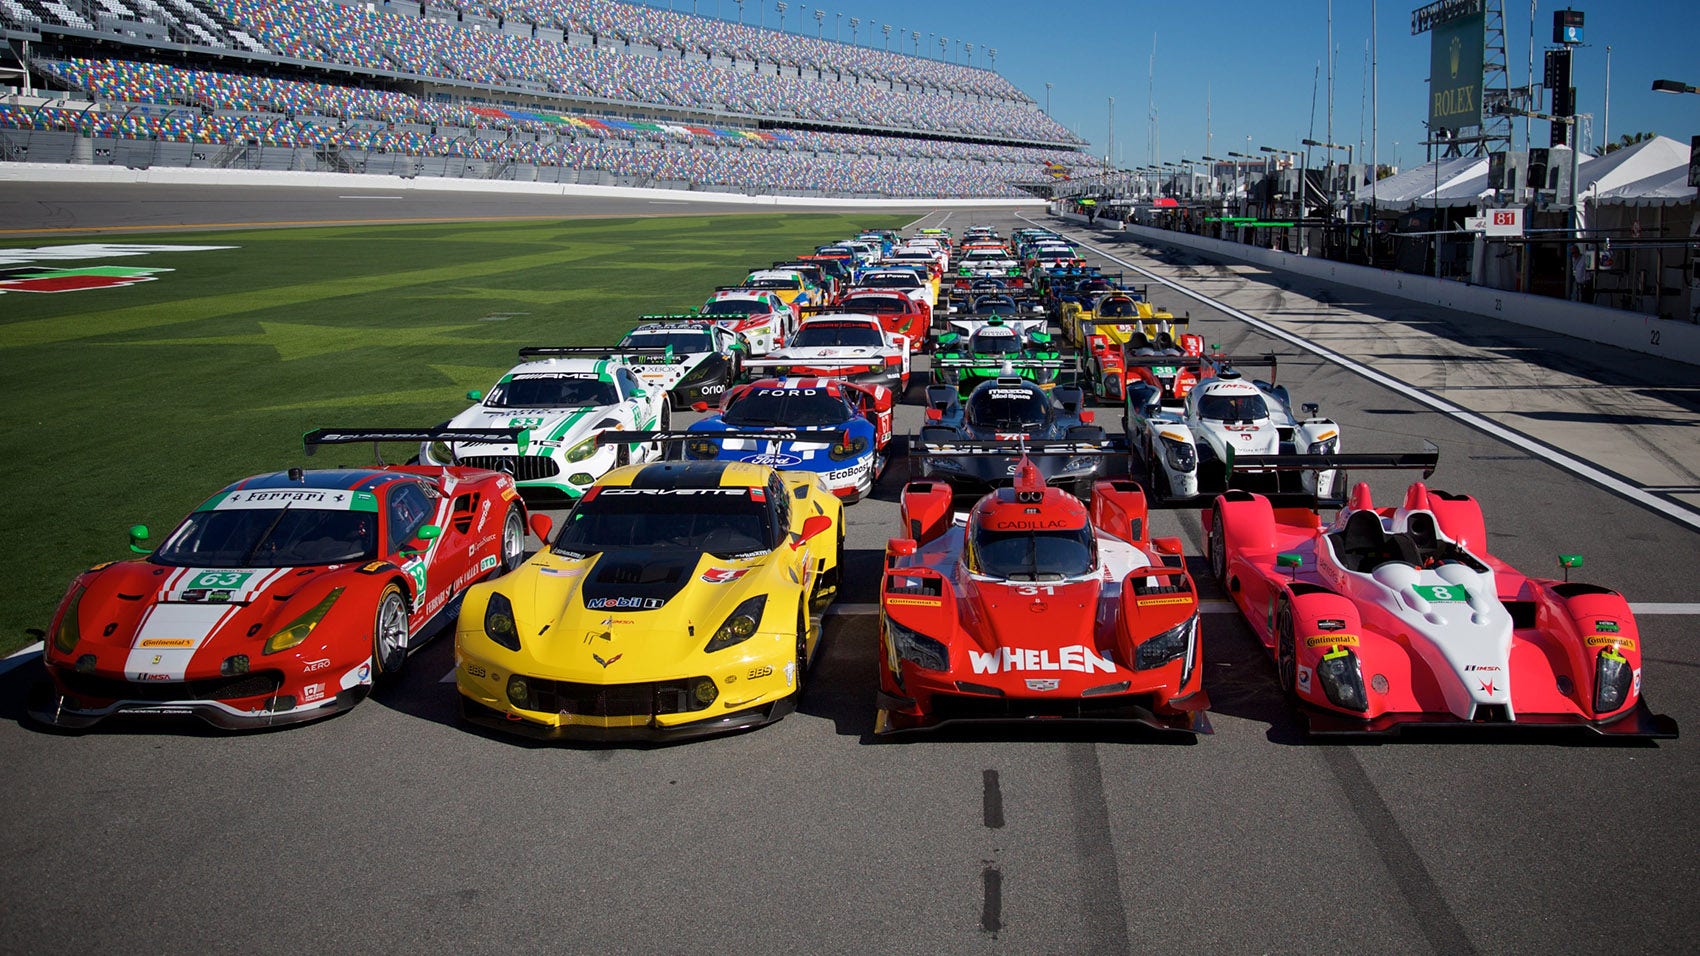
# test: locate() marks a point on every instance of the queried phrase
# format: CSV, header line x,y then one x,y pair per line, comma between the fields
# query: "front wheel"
x,y
1286,652
801,665
390,633
513,539
1218,548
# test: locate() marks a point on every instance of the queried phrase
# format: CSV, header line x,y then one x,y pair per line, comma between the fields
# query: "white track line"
x,y
21,657
1510,436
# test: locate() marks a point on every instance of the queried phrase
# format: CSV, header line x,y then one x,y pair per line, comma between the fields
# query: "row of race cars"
x,y
682,593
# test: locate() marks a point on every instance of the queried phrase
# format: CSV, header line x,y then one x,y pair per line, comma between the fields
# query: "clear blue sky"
x,y
1256,61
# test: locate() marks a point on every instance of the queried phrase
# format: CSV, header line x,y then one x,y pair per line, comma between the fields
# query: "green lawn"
x,y
130,405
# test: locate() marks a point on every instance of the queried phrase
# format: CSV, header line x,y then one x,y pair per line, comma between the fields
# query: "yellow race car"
x,y
678,599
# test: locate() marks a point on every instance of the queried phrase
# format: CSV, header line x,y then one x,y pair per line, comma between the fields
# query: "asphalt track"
x,y
392,828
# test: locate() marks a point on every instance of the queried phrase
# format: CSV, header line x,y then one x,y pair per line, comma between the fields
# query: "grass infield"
x,y
130,405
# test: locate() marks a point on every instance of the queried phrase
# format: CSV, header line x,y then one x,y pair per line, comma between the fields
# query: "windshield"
x,y
1033,555
891,280
772,284
551,391
720,521
1113,308
736,307
271,538
877,304
994,305
1000,342
1007,407
679,340
1233,408
801,407
818,334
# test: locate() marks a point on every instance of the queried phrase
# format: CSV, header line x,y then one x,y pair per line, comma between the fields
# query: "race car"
x,y
994,349
910,282
677,599
1112,313
823,275
1119,356
762,318
792,287
284,596
1387,618
1022,314
899,313
688,356
1036,608
841,430
563,397
1201,447
975,444
842,345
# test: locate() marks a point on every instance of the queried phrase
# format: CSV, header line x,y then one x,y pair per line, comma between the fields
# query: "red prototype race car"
x,y
1391,617
284,596
1037,608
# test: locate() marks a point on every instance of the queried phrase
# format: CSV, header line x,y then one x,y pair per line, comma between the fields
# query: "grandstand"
x,y
587,91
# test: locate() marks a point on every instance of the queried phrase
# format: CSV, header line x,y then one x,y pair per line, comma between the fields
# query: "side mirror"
x,y
812,526
899,548
639,393
541,525
475,395
699,406
935,414
1310,408
1292,562
138,539
1087,418
427,532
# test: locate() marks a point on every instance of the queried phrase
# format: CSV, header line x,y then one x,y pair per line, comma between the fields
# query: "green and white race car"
x,y
992,351
564,397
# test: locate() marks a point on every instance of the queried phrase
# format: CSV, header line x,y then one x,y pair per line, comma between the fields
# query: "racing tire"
x,y
1286,652
830,582
513,538
1217,542
802,661
390,633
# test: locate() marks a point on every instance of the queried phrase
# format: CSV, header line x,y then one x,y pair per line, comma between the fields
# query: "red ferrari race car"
x,y
1392,617
901,314
1037,608
284,596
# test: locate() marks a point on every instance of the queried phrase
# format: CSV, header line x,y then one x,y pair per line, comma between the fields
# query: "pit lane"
x,y
394,827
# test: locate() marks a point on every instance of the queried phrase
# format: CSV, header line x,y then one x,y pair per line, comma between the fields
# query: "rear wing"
x,y
1424,461
1185,318
614,353
947,361
840,364
698,317
824,436
518,437
970,447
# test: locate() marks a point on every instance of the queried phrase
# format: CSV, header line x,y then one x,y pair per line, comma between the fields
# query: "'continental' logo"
x,y
1612,640
1153,602
915,602
1326,640
168,642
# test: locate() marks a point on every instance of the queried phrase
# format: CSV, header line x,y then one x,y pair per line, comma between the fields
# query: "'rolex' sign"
x,y
1455,73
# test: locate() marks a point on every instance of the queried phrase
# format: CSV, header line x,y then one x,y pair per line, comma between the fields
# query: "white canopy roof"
x,y
1417,186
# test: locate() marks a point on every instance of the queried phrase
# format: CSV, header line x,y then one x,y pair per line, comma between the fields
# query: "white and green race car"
x,y
564,397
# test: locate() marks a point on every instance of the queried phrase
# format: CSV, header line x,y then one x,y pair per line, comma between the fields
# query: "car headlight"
x,y
1081,463
582,450
917,648
299,629
65,637
946,464
1342,680
1180,455
740,625
839,451
702,448
1611,681
1170,645
499,624
1327,446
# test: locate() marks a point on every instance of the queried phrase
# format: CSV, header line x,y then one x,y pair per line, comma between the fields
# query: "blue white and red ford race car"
x,y
847,425
1036,607
1392,617
284,596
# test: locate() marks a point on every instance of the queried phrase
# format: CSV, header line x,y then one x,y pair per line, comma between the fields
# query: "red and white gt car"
x,y
1391,617
842,345
1037,609
901,314
762,317
284,596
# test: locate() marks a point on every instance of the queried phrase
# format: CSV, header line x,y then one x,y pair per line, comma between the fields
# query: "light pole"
x,y
819,16
780,6
1210,175
915,38
944,44
839,35
992,55
855,22
885,28
1673,86
740,11
1047,99
1331,147
1237,187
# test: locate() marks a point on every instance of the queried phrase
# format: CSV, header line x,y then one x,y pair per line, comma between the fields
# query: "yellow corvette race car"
x,y
677,599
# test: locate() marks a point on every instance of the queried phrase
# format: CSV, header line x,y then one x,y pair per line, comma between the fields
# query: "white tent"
x,y
1669,188
1416,187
